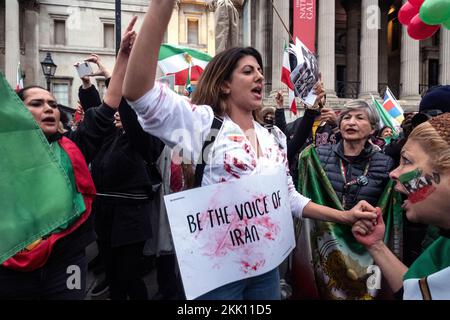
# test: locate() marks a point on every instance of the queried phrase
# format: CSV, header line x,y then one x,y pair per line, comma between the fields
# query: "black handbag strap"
x,y
201,163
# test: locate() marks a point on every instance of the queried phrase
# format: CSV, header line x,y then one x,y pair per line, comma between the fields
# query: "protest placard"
x,y
230,231
305,72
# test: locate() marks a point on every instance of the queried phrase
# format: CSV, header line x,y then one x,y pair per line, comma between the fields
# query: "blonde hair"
x,y
434,138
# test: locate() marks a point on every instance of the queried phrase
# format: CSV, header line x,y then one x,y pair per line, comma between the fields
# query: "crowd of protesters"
x,y
346,176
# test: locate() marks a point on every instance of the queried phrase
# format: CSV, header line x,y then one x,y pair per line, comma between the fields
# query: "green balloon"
x,y
446,24
434,12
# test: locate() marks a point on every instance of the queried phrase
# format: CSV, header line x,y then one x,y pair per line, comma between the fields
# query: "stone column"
x,y
12,41
409,67
211,31
445,56
383,58
262,39
247,24
370,15
279,40
326,45
32,64
353,10
182,26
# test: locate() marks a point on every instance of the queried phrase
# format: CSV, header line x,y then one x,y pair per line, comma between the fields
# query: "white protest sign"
x,y
230,231
305,72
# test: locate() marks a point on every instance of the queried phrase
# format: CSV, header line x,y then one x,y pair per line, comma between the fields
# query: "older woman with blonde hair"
x,y
424,176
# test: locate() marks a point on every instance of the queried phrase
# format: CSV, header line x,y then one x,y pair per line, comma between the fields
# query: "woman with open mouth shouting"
x,y
424,176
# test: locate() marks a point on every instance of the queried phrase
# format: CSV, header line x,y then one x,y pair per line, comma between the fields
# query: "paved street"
x,y
91,252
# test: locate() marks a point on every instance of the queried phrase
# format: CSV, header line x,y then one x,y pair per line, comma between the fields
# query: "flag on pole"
x,y
19,78
385,118
392,106
35,192
179,61
286,79
188,86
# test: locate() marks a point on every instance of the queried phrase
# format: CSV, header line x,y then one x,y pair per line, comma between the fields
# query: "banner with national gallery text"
x,y
230,231
304,18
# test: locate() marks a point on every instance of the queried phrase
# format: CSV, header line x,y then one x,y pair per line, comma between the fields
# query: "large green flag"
x,y
329,261
36,196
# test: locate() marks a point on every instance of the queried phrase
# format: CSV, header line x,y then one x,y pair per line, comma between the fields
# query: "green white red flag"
x,y
286,79
179,61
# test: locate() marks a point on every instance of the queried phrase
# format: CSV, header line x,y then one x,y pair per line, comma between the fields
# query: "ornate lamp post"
x,y
48,68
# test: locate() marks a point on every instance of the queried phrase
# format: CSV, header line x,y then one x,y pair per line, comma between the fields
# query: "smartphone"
x,y
84,69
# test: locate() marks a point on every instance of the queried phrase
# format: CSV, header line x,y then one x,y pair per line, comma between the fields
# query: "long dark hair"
x,y
219,70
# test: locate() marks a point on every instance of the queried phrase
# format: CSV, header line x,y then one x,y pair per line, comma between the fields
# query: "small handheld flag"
x,y
392,106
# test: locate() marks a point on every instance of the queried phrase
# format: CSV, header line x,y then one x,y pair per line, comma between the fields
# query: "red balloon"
x,y
416,3
406,13
418,30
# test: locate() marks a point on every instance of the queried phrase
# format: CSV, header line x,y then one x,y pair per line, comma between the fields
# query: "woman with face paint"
x,y
424,176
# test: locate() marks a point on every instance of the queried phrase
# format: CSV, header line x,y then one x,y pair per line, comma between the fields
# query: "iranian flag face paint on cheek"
x,y
419,186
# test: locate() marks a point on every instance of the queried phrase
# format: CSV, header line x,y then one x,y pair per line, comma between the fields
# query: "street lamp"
x,y
48,68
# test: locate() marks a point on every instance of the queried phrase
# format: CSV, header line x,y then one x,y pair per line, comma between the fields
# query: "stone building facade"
x,y
355,60
72,29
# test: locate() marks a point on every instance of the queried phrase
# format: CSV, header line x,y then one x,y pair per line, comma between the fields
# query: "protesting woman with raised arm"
x,y
230,91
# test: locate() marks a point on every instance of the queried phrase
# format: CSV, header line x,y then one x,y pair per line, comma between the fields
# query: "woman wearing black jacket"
x,y
123,177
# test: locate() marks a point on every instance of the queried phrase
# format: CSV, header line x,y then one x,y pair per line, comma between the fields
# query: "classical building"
x,y
355,60
72,29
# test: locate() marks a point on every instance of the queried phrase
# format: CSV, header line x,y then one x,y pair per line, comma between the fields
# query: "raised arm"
x,y
114,94
141,70
98,122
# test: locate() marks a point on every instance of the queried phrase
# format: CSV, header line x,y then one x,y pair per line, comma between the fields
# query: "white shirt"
x,y
180,124
438,286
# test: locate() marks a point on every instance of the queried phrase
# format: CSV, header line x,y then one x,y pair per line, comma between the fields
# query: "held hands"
x,y
128,38
362,211
368,234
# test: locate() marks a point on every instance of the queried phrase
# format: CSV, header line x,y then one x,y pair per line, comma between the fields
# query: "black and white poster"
x,y
305,72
